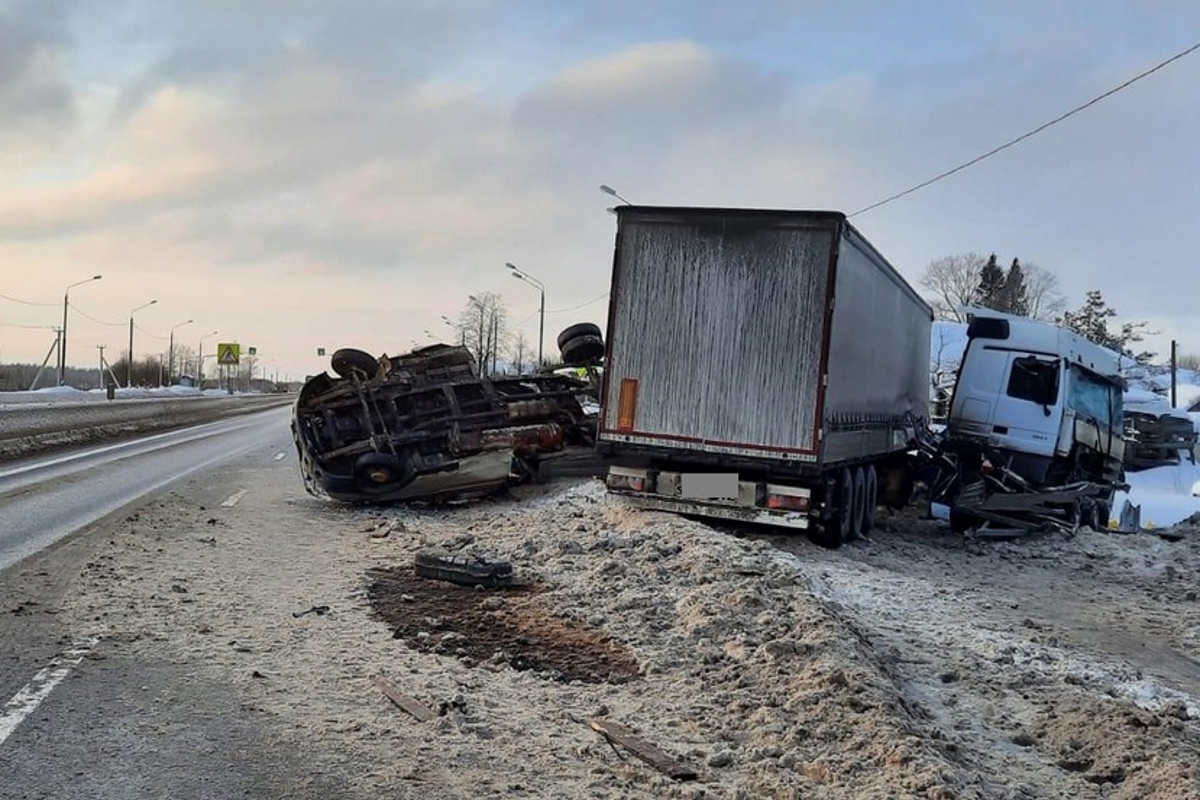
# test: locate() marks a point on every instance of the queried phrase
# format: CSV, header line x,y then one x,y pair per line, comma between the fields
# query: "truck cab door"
x,y
1029,405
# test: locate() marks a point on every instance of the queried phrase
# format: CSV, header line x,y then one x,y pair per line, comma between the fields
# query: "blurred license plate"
x,y
709,485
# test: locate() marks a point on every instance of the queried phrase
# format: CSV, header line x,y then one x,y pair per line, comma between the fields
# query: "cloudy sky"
x,y
299,174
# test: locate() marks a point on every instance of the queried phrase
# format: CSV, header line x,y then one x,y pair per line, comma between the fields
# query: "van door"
x,y
1029,407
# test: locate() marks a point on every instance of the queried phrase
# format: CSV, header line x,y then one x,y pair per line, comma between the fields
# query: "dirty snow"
x,y
917,665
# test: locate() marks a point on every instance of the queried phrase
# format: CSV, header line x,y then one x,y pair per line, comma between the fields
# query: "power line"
x,y
27,327
80,311
576,308
25,302
148,333
1033,132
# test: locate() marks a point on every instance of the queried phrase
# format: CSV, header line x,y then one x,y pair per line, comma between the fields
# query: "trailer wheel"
x,y
1103,514
834,530
858,502
871,483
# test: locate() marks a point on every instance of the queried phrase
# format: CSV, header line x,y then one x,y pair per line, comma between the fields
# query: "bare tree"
x,y
519,352
1188,361
1043,298
483,324
953,281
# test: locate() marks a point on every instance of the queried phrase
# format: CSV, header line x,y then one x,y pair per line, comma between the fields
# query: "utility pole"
x,y
1174,369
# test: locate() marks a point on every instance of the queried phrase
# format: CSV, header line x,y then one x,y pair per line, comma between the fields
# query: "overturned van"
x,y
427,426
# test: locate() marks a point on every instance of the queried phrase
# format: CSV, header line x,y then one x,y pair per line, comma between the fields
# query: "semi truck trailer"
x,y
761,365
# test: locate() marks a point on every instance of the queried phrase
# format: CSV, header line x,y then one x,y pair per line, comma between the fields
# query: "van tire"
x,y
583,351
347,361
578,329
382,472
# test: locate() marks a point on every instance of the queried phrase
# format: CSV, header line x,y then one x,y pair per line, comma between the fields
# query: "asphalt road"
x,y
78,720
45,499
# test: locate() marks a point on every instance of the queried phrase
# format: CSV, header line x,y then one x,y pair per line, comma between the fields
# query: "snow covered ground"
x,y
68,394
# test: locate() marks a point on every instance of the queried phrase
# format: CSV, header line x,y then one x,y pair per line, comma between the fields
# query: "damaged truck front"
x,y
1035,431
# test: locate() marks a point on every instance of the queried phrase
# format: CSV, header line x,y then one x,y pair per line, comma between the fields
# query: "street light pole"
x,y
609,190
522,275
62,349
171,350
129,371
200,360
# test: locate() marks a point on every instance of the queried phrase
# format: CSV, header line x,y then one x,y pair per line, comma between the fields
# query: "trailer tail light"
x,y
627,404
629,480
787,498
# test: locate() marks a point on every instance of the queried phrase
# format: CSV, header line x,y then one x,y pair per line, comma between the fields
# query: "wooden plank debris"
x,y
414,707
616,733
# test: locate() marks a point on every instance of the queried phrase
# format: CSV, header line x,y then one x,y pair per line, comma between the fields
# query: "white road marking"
x,y
232,500
26,701
280,456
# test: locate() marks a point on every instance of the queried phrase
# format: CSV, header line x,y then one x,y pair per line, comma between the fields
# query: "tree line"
x,y
959,283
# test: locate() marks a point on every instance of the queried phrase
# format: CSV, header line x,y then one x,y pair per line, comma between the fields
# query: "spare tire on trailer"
x,y
347,361
578,329
583,351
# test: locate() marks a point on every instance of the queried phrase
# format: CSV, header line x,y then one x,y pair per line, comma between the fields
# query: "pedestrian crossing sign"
x,y
229,353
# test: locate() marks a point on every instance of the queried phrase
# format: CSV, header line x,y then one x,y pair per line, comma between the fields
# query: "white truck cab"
x,y
1046,398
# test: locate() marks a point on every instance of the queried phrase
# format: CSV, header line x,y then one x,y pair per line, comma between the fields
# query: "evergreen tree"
x,y
1091,322
991,285
1014,294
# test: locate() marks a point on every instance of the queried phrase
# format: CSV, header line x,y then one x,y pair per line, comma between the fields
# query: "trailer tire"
x,y
1103,514
578,329
871,484
858,501
348,361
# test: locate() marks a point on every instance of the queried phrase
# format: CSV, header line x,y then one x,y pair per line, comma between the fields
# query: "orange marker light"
x,y
627,404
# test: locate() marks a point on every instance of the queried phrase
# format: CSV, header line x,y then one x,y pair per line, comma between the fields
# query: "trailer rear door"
x,y
717,326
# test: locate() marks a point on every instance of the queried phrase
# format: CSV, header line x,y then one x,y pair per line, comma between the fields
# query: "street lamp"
x,y
62,348
609,190
522,275
171,349
200,360
129,372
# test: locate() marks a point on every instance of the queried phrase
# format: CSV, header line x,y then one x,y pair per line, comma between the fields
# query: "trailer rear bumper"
x,y
731,498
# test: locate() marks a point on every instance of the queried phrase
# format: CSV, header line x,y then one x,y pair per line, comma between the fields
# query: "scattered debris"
x,y
413,707
465,570
320,611
615,733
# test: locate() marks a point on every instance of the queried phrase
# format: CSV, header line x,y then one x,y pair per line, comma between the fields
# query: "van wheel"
x,y
583,350
382,472
871,493
348,361
578,329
